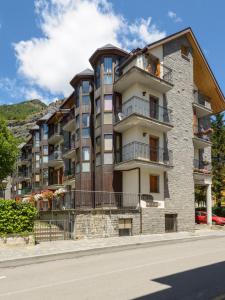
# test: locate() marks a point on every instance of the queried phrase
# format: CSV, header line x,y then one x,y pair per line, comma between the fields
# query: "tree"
x,y
218,156
8,150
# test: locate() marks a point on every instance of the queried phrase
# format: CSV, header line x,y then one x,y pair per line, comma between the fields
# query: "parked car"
x,y
201,218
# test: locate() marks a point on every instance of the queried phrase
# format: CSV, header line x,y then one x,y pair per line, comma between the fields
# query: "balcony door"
x,y
154,107
154,146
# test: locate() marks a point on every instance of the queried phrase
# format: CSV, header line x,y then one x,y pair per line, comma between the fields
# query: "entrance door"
x,y
170,222
154,107
154,148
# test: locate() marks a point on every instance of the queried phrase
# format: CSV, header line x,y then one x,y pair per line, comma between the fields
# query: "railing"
x,y
203,133
65,202
68,174
140,106
70,116
68,147
25,191
202,100
202,166
24,174
54,130
140,151
55,180
56,155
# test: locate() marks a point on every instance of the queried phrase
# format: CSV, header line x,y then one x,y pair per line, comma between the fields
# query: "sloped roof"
x,y
87,73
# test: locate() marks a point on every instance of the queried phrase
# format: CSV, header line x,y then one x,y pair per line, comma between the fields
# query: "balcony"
x,y
69,150
25,191
137,112
160,82
55,159
202,105
69,122
55,135
202,137
69,175
55,182
23,160
24,176
203,167
136,154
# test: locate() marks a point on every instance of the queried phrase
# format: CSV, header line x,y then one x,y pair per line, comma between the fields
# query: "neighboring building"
x,y
138,125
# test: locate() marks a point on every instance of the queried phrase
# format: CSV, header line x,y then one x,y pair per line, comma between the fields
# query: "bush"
x,y
16,217
219,211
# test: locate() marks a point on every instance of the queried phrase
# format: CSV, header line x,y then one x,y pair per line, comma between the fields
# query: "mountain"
x,y
22,116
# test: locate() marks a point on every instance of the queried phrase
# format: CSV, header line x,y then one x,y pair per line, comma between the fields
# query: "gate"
x,y
170,222
52,230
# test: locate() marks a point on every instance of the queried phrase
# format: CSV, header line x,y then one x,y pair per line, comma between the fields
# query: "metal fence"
x,y
52,230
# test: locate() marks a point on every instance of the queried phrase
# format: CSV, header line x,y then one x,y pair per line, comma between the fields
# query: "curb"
x,y
12,263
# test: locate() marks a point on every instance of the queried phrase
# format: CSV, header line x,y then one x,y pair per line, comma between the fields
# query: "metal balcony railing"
x,y
202,166
56,155
140,151
140,106
68,146
203,132
55,130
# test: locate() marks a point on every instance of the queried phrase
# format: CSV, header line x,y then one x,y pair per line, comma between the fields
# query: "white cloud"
x,y
72,30
172,15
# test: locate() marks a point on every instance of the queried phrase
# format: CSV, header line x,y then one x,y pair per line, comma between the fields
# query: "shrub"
x,y
219,211
16,217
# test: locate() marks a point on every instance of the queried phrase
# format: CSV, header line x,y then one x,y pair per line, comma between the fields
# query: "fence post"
x,y
50,233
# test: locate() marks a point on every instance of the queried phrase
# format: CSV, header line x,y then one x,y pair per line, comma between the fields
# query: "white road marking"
x,y
106,273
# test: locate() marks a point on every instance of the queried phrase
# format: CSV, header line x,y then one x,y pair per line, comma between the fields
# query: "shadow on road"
x,y
202,283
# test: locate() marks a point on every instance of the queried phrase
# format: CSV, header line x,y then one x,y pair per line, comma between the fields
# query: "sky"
x,y
44,43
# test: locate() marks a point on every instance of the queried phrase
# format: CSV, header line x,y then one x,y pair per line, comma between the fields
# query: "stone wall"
x,y
180,99
153,220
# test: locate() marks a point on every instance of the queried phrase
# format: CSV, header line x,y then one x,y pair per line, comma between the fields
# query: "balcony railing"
x,y
140,106
56,155
25,174
202,132
70,116
140,151
201,166
55,130
68,147
69,174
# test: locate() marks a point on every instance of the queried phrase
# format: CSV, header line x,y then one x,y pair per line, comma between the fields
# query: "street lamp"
x,y
4,184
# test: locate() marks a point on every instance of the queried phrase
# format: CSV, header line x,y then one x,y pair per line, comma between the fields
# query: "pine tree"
x,y
218,156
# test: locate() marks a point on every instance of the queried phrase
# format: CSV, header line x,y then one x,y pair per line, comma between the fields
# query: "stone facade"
x,y
180,138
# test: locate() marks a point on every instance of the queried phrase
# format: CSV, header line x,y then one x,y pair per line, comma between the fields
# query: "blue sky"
x,y
45,42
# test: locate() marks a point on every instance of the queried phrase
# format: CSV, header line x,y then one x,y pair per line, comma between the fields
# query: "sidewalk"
x,y
45,251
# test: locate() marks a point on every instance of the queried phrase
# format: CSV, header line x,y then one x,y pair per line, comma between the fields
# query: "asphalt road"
x,y
189,270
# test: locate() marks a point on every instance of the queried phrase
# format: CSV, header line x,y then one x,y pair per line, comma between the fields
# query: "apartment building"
x,y
138,124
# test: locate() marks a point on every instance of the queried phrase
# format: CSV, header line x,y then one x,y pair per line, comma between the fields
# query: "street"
x,y
178,270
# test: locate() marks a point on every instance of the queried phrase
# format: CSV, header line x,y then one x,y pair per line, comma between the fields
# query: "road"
x,y
178,270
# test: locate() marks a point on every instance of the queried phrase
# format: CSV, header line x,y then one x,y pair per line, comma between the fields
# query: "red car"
x,y
201,217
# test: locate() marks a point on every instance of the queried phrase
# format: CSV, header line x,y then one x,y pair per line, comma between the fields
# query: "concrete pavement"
x,y
190,270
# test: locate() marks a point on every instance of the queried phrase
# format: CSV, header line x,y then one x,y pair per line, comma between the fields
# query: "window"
x,y
85,87
184,51
98,106
107,70
77,100
45,150
108,160
98,159
108,103
77,134
45,159
108,118
108,142
85,167
85,100
154,184
98,75
98,121
98,144
85,153
77,121
77,154
45,131
77,168
85,133
85,120
37,139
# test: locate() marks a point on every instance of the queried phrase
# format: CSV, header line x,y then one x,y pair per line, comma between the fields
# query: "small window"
x,y
85,153
108,142
184,51
154,184
77,168
85,120
98,159
108,70
108,159
45,159
77,134
77,154
98,105
85,100
45,150
85,167
108,118
85,133
108,103
98,121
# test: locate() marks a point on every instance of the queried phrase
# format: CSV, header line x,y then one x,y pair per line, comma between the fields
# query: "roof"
x,y
85,74
35,127
68,102
107,49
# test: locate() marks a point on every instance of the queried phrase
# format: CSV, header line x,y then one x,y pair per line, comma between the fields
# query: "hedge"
x,y
16,217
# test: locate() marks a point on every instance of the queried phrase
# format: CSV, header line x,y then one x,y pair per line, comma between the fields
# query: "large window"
x,y
86,153
108,70
37,139
85,87
154,184
108,142
107,102
108,118
85,120
45,131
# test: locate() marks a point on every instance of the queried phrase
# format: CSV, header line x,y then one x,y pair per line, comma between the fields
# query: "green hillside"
x,y
22,110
